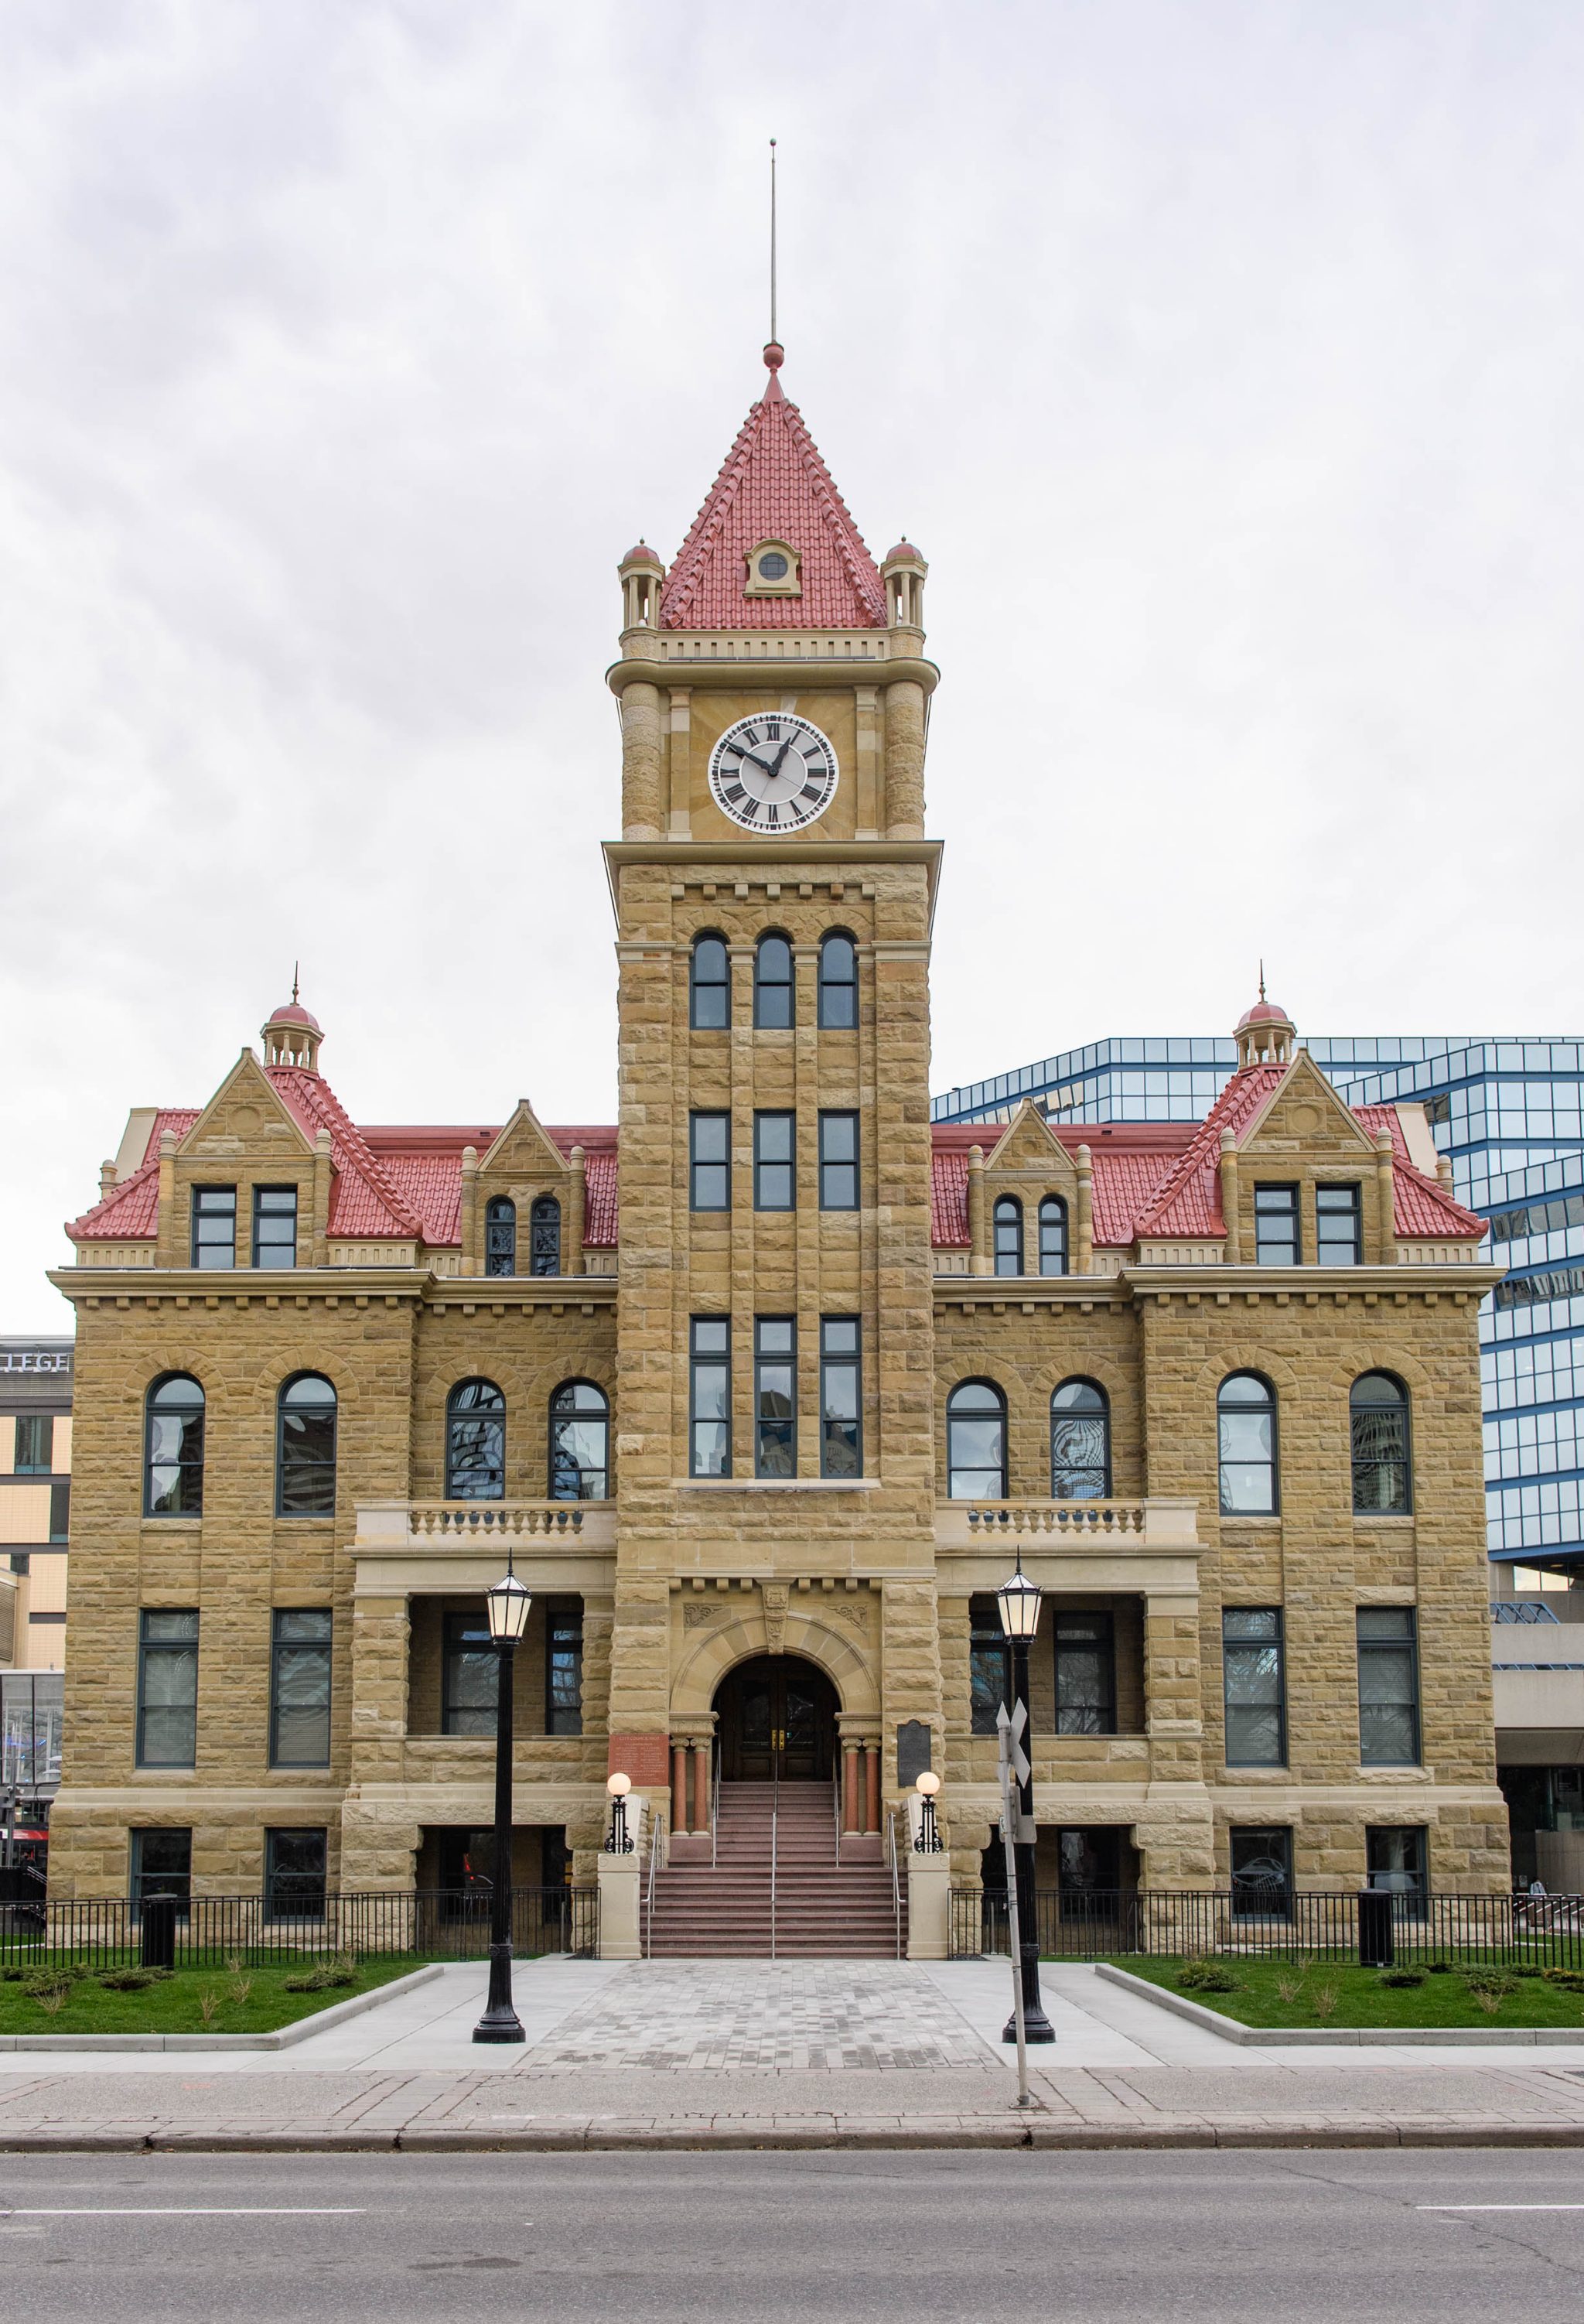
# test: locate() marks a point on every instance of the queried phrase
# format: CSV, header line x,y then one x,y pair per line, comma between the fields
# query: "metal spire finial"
x,y
1262,979
773,339
296,966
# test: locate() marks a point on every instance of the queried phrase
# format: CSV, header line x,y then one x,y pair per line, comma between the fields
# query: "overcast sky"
x,y
1225,361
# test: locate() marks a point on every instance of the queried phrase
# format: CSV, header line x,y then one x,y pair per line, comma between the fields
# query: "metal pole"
x,y
500,2021
1037,2025
1012,1925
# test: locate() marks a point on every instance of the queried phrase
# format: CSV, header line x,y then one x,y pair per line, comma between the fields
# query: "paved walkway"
x,y
757,2054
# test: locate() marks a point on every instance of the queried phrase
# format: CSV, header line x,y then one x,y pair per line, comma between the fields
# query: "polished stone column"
x,y
852,1814
701,1788
872,1786
679,1787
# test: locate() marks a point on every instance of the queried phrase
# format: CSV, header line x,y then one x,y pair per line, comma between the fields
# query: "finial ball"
x,y
775,356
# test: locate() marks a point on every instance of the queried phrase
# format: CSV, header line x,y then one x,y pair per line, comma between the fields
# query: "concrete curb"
x,y
284,2037
1342,2037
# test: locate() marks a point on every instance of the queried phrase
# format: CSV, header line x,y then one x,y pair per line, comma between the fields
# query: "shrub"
x,y
49,1986
1402,1977
325,1979
126,1981
1571,1981
1440,1969
1206,1977
1487,1977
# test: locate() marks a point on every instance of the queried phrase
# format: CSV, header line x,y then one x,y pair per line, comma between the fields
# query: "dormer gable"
x,y
1303,1114
246,1118
523,1152
1028,1158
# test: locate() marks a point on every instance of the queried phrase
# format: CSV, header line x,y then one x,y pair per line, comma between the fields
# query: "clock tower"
x,y
774,891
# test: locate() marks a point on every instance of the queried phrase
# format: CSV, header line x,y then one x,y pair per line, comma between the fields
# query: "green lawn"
x,y
174,2005
1360,1997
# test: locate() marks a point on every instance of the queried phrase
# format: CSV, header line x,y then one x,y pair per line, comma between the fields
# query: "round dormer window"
x,y
773,566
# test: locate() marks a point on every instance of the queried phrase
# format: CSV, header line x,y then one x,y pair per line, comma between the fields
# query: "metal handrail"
x,y
714,1801
836,1805
895,1882
773,1815
658,1854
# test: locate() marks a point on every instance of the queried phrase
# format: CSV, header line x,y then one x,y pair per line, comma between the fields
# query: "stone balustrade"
x,y
506,1520
1154,1524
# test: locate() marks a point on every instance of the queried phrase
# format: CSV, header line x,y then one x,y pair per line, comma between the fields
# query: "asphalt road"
x,y
1345,2237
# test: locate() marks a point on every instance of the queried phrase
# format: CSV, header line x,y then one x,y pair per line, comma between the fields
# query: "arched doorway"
x,y
776,1717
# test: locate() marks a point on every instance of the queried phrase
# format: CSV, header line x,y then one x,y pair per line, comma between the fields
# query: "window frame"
x,y
544,1214
955,1468
455,1645
563,1635
1083,1380
766,1360
480,1414
294,1380
764,986
1407,1902
1243,1647
1324,1254
1292,1209
1256,1903
831,1164
696,1163
170,1648
263,1210
847,1363
988,1645
1007,1213
598,1418
287,1908
499,1235
1403,1645
1103,1647
286,1650
698,986
830,986
1373,1463
198,1217
138,1881
184,1464
1271,1407
36,1430
709,1358
1052,1210
769,1118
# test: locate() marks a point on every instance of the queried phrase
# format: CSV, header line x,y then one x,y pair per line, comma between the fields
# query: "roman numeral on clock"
x,y
815,790
772,814
732,792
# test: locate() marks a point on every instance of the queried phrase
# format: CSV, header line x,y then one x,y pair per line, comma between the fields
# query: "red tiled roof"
x,y
1188,1199
1421,1204
774,486
130,1213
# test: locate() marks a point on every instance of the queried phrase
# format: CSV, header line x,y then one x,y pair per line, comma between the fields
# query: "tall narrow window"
x,y
1254,1676
167,1687
775,1397
838,1161
564,1666
35,1445
470,1677
1009,1235
1337,1238
305,1448
1053,1236
580,1442
1086,1675
1395,1860
774,1163
841,1398
274,1226
838,984
710,1397
214,1226
976,1442
990,1664
173,1451
544,1229
300,1687
709,1161
162,1863
1246,1417
1262,1871
1081,1443
772,983
499,1235
296,1862
1388,1687
475,1442
1378,1419
1275,1226
710,985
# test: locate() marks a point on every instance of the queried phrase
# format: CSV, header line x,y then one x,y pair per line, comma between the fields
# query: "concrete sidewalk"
x,y
768,2054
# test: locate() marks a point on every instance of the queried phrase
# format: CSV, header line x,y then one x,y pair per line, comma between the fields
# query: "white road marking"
x,y
187,2211
1499,2207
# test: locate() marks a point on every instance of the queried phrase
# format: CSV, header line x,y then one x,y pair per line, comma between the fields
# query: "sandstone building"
x,y
766,1385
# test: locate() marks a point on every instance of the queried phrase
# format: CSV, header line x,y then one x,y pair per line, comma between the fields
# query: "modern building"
x,y
764,1384
35,1518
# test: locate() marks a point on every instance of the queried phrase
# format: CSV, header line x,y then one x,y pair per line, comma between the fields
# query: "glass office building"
x,y
1507,1114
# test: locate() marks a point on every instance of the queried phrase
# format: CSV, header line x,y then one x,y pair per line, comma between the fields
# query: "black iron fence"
x,y
1097,1923
431,1924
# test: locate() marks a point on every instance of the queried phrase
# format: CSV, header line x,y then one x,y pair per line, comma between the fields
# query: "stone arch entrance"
x,y
776,1717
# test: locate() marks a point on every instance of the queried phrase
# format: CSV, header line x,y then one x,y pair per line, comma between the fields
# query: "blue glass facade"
x,y
1508,1115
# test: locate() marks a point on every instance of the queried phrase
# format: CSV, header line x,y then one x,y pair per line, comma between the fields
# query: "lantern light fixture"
x,y
1017,1601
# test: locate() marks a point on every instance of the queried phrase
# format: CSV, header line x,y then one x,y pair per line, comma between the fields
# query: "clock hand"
x,y
749,760
780,760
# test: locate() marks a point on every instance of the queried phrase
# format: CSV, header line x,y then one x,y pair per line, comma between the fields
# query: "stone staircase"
x,y
824,1911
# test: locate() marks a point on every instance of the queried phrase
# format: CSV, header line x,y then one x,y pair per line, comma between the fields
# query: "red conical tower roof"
x,y
774,486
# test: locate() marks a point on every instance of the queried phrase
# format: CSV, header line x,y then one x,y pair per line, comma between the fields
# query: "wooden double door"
x,y
776,1717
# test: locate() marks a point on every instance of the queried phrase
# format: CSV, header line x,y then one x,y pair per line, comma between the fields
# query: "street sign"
x,y
1010,1731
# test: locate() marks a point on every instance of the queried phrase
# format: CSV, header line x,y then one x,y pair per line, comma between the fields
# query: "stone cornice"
x,y
814,672
353,1287
1457,1279
727,860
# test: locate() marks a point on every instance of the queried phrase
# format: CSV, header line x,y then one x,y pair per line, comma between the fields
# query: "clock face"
x,y
773,773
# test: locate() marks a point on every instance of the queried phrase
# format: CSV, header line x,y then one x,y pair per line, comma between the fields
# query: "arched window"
x,y
305,1448
475,1442
544,1234
710,988
976,1442
580,1442
1009,1235
1382,1477
838,984
1053,1236
499,1235
1245,1417
173,1449
772,982
1081,1443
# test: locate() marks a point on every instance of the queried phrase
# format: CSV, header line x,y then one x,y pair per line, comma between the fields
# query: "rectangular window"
x,y
1388,1687
709,1158
295,1866
1262,1871
274,1226
564,1666
471,1677
36,1443
990,1664
214,1226
61,1509
1337,1238
1254,1677
838,1161
1275,1226
161,1865
1394,1856
775,1397
841,1398
710,1397
774,1138
1086,1676
167,1687
300,1687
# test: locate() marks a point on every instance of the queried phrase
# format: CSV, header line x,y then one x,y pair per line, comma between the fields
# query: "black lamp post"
x,y
1019,1603
508,1603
